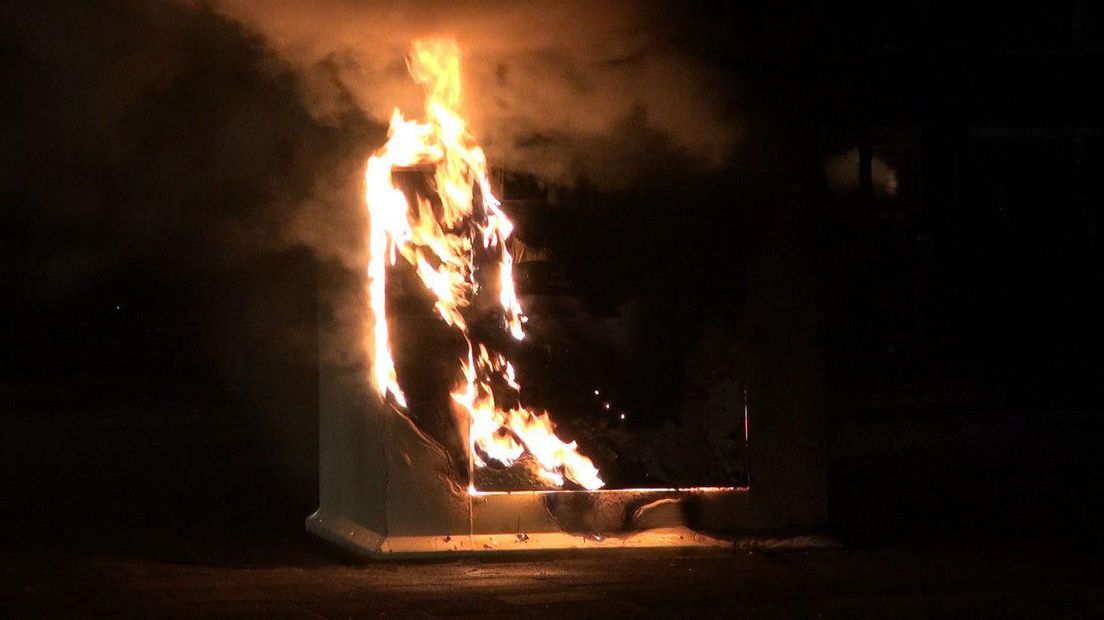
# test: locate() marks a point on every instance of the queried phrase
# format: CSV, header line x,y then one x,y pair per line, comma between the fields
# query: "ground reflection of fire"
x,y
438,237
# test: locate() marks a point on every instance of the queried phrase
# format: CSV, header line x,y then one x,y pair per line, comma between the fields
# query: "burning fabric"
x,y
440,236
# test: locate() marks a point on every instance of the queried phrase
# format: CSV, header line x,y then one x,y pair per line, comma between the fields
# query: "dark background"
x,y
159,351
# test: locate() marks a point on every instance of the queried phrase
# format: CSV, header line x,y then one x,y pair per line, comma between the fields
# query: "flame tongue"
x,y
440,247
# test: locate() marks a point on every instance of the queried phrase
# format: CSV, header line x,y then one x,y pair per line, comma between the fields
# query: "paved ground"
x,y
831,583
187,513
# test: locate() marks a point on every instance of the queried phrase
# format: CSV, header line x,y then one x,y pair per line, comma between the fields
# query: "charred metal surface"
x,y
579,513
658,513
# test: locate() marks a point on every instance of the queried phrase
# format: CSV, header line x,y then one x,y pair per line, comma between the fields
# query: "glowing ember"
x,y
441,250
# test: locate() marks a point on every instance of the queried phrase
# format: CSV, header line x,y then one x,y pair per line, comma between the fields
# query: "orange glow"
x,y
440,247
686,490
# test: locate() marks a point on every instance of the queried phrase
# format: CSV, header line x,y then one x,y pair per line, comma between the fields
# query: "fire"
x,y
440,247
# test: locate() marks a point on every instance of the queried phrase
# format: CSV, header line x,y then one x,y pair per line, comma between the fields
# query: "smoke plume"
x,y
561,90
176,175
185,143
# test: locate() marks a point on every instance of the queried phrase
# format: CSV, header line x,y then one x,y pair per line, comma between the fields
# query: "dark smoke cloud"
x,y
160,177
558,89
240,127
162,134
178,160
189,142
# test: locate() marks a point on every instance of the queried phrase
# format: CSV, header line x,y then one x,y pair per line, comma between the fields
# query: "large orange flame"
x,y
441,250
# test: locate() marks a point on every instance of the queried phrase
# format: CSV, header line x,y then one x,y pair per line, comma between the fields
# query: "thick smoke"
x,y
177,176
172,133
183,145
561,90
163,135
160,178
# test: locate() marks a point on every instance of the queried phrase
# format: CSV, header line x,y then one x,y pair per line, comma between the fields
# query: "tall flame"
x,y
441,250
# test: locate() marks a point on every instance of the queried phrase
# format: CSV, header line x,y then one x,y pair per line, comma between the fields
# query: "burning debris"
x,y
441,236
443,328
